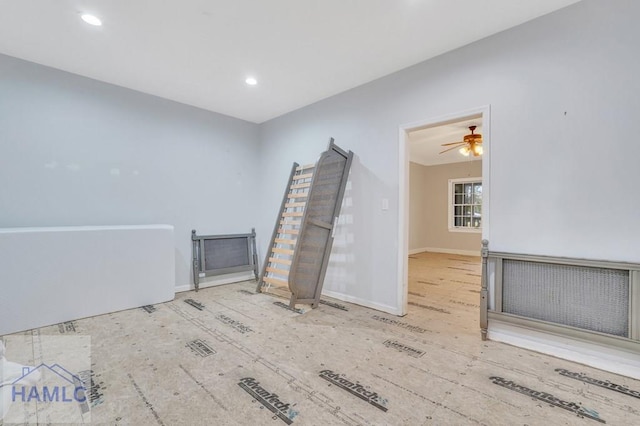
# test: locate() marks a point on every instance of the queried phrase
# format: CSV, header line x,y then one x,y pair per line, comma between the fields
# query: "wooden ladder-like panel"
x,y
315,239
275,270
298,256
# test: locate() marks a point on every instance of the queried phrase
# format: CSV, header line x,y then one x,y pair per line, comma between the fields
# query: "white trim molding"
x,y
219,280
403,188
362,302
592,354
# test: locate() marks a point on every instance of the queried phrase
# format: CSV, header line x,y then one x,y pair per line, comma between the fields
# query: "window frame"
x,y
451,185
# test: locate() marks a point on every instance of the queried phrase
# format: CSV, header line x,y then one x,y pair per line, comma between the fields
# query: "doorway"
x,y
444,206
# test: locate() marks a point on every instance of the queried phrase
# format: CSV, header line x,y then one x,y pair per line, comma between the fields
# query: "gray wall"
x,y
563,161
429,208
75,151
418,196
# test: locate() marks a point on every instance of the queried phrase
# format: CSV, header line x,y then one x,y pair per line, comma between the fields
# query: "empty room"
x,y
319,213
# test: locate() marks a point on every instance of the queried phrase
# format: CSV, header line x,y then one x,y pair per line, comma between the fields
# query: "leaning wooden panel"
x,y
273,252
311,255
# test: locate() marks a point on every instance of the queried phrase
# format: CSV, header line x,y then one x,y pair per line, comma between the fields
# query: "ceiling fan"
x,y
471,144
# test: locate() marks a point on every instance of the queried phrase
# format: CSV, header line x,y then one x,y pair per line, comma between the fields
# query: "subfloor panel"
x,y
229,356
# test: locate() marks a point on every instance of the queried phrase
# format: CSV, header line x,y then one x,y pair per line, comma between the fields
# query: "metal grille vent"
x,y
223,254
226,253
595,299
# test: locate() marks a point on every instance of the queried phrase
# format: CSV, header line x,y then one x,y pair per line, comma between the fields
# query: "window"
x,y
465,205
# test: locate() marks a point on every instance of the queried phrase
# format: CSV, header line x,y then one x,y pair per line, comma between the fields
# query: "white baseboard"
x,y
604,358
366,303
216,281
444,250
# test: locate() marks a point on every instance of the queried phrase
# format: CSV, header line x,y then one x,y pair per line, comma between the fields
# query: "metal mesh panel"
x,y
311,246
326,184
226,253
314,240
593,299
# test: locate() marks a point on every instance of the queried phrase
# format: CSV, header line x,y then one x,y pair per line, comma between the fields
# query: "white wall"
x,y
564,164
429,209
75,152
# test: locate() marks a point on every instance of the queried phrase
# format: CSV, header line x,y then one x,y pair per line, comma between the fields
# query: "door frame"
x,y
403,179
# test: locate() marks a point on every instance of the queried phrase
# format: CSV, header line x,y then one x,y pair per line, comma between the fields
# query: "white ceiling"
x,y
199,52
425,145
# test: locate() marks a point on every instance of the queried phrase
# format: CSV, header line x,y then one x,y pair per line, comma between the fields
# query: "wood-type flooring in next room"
x,y
229,356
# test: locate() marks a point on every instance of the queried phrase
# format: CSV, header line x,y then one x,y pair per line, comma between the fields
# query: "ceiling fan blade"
x,y
452,143
450,149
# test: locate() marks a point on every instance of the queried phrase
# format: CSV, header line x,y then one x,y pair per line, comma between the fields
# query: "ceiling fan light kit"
x,y
470,144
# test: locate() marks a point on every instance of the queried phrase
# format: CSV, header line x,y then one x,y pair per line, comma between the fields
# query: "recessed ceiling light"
x,y
251,81
92,20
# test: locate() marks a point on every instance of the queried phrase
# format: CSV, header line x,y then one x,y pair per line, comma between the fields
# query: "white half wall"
x,y
53,275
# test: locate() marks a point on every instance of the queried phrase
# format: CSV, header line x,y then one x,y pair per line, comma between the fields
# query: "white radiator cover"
x,y
53,275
